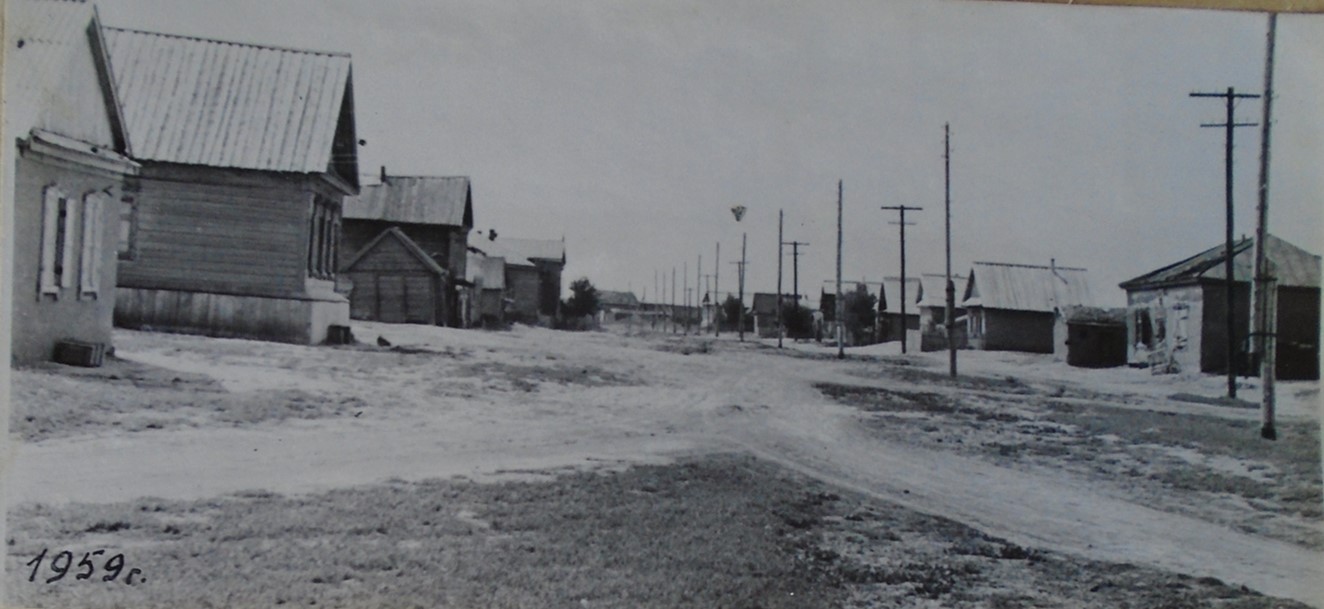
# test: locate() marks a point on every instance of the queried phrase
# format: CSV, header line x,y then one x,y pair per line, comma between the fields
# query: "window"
x,y
323,239
89,268
54,235
128,228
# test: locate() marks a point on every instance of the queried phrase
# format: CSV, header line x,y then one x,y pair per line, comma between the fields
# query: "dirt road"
x,y
738,399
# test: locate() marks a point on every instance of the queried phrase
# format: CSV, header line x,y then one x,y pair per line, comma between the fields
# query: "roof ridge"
x,y
270,47
1030,266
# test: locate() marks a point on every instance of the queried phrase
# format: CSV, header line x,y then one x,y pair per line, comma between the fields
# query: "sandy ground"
x,y
493,405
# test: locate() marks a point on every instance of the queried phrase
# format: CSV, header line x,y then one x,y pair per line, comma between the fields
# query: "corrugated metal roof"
x,y
1023,287
522,251
51,73
933,289
198,101
617,299
445,201
1293,266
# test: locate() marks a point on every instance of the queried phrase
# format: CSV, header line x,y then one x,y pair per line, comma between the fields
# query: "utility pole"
x,y
902,223
1265,322
742,286
795,267
685,301
951,286
698,304
717,292
673,300
840,302
1231,97
780,243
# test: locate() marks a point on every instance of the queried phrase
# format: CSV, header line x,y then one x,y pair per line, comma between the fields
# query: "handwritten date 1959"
x,y
63,564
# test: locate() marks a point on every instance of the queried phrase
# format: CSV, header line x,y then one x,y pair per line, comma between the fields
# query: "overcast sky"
x,y
632,127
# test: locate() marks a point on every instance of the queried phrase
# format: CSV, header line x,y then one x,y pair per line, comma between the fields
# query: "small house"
x,y
932,307
435,215
764,311
1177,315
1096,337
232,228
533,269
65,168
892,325
617,306
1019,307
487,275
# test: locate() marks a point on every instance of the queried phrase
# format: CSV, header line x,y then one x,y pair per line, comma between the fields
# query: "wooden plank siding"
x,y
246,236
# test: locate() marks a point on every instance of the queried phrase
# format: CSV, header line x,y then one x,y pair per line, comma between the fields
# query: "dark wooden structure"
x,y
1019,307
396,281
434,213
533,269
1177,315
1096,337
231,229
63,178
932,306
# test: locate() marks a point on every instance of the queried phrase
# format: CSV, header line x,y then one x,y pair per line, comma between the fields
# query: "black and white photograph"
x,y
661,303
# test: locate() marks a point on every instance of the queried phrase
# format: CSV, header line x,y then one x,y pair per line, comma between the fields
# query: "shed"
x,y
247,153
890,322
1177,314
932,307
396,281
64,174
1018,307
488,276
1096,337
435,213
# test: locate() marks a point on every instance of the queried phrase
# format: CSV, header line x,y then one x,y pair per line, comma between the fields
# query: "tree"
x,y
731,312
861,313
798,320
583,298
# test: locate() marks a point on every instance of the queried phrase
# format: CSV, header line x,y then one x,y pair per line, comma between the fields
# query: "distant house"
x,y
1019,307
890,321
932,307
617,306
533,276
1096,337
433,214
1177,314
764,311
247,151
63,177
396,281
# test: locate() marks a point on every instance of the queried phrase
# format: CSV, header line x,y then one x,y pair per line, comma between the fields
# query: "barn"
x,y
396,281
247,152
532,277
435,214
1177,314
63,179
1019,307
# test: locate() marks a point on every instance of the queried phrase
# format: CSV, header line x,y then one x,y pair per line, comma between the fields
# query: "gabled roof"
x,y
1293,266
441,201
890,295
933,289
1098,316
198,101
57,75
1023,287
611,298
409,245
522,251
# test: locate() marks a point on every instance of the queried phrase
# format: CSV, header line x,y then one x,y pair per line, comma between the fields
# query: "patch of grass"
x,y
529,377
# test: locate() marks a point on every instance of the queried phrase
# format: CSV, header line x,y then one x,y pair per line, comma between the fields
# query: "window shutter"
x,y
49,227
67,255
90,269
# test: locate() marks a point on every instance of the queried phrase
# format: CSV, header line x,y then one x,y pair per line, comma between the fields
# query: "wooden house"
x,y
435,215
1096,337
66,160
617,306
932,305
1177,315
891,325
247,152
487,275
1019,307
533,269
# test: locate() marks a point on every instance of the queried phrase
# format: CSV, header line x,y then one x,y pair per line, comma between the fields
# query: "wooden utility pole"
x,y
840,302
795,268
742,286
1231,97
1264,320
685,286
951,286
780,329
673,300
902,223
717,292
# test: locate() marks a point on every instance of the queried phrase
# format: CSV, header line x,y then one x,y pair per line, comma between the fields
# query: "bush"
x,y
861,314
583,299
798,320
